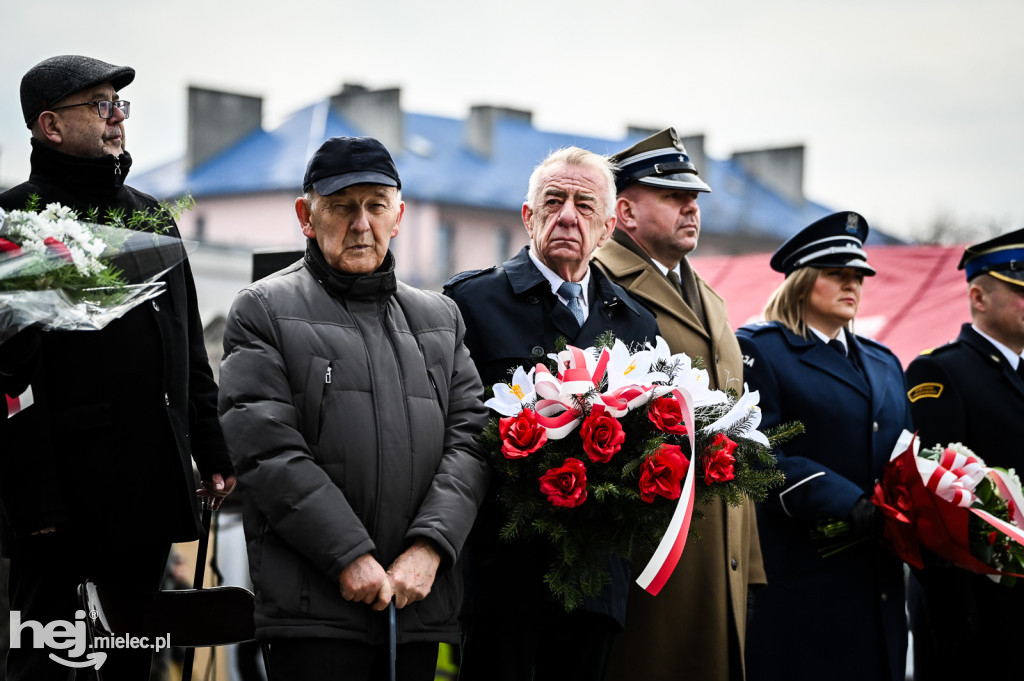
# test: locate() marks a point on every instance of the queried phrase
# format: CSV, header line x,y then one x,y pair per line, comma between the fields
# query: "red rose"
x,y
719,460
602,436
667,415
565,486
9,247
521,435
57,249
662,473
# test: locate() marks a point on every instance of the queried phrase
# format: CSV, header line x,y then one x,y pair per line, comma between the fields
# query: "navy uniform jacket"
x,y
840,617
513,319
966,391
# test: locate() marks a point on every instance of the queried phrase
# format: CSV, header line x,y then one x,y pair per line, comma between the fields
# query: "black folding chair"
x,y
189,618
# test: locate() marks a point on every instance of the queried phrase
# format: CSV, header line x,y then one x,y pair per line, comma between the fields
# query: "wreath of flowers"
x,y
594,452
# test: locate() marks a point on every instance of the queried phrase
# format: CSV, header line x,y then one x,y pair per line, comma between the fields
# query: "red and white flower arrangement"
x,y
59,272
605,450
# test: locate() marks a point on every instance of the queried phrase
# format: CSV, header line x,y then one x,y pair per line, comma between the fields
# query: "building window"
x,y
445,250
504,242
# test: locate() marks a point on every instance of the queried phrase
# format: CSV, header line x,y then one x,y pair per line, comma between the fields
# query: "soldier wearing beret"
x,y
840,616
971,391
695,627
101,427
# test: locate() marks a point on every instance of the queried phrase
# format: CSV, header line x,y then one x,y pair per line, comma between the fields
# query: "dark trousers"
x,y
322,659
43,588
536,646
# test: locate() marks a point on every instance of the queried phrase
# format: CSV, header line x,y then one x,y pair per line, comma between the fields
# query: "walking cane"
x,y
197,580
392,637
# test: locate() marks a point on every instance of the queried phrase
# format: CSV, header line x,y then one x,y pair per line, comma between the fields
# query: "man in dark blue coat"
x,y
972,391
514,313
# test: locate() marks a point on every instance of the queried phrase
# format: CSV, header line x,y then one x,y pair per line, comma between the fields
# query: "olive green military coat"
x,y
684,632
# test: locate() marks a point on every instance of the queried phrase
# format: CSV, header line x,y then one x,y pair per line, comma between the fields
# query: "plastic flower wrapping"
x,y
60,272
607,450
946,500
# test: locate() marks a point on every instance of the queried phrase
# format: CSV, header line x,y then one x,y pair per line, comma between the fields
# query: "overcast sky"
x,y
908,108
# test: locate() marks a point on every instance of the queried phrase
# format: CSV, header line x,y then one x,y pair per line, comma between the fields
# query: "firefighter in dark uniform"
x,y
972,391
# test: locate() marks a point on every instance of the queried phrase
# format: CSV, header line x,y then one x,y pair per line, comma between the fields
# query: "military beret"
x,y
53,79
835,240
1001,257
659,161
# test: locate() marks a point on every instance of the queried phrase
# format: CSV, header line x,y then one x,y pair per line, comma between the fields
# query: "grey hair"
x,y
574,156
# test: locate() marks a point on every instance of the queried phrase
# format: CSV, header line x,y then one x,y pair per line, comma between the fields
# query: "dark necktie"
x,y
838,346
571,291
1020,367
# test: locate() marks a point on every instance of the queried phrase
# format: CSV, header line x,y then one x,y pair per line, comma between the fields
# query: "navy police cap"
x,y
658,161
835,240
1001,257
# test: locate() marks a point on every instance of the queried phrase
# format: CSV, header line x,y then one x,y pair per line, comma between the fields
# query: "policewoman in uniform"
x,y
972,391
842,616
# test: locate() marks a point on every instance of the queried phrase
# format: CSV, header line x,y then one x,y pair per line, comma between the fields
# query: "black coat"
x,y
967,392
513,319
842,616
106,450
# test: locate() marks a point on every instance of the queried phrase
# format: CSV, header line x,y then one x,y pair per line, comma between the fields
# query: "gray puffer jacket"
x,y
350,406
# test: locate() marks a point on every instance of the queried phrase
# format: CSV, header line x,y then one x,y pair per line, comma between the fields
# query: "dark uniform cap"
x,y
53,79
836,240
341,162
1001,257
658,161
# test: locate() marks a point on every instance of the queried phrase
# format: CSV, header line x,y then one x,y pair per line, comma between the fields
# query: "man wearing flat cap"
x,y
101,427
971,391
695,627
350,406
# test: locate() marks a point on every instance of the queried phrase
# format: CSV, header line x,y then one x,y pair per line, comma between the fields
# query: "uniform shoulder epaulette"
x,y
942,348
468,274
760,327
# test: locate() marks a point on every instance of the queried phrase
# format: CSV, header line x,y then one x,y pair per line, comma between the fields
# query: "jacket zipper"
x,y
327,378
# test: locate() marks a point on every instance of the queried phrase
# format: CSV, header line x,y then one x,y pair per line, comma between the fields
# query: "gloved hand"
x,y
865,518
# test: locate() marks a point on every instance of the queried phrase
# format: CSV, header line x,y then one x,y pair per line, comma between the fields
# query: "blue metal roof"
x,y
436,166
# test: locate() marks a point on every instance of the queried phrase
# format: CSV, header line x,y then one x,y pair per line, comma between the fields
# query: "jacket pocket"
x,y
318,382
439,382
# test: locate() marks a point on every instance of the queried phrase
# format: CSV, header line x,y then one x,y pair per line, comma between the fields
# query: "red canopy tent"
x,y
918,299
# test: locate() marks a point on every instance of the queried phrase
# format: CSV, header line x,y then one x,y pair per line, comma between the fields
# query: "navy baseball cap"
x,y
341,162
836,240
1001,257
53,79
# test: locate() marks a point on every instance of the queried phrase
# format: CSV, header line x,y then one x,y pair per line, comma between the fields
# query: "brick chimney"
x,y
781,169
479,132
216,120
377,113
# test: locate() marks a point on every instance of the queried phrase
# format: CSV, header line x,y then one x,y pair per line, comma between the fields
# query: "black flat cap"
x,y
53,79
658,161
1001,257
836,240
341,162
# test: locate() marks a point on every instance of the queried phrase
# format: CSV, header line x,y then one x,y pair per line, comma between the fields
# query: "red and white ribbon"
x,y
670,549
19,403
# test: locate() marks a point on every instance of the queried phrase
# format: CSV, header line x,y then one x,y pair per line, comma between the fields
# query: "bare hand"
x,y
412,574
364,581
45,530
217,488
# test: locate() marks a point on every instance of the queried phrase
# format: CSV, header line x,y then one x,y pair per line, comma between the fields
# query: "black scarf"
x,y
379,285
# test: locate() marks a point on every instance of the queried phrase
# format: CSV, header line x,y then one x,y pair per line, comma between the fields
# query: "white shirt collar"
x,y
1012,357
825,339
555,281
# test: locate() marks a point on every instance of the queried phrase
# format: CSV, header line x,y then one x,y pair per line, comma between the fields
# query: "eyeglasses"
x,y
104,107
